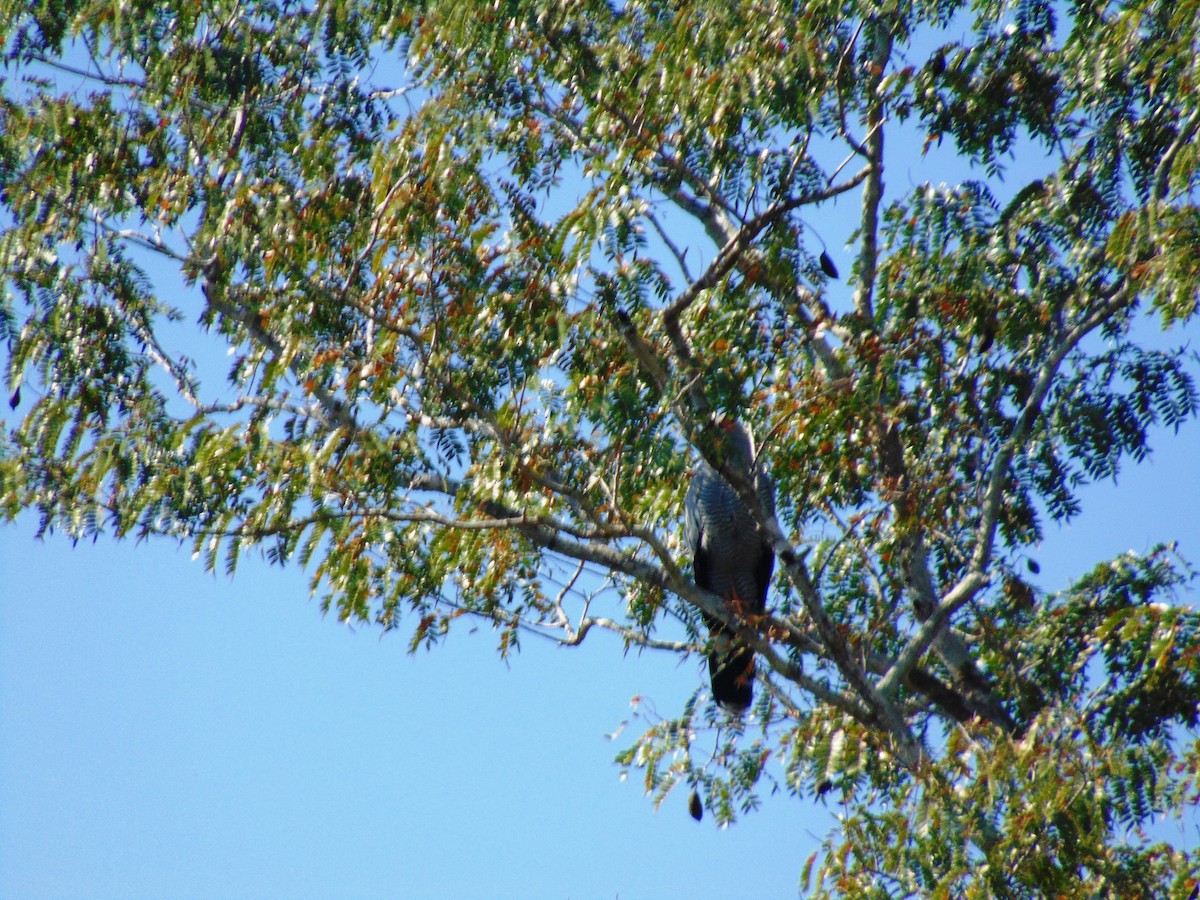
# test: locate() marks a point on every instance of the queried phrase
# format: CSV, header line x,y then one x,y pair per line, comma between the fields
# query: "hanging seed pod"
x,y
695,807
827,265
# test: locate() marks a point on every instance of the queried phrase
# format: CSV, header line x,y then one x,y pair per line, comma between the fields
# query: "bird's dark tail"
x,y
732,675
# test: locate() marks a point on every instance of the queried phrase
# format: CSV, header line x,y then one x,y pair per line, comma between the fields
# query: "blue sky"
x,y
170,733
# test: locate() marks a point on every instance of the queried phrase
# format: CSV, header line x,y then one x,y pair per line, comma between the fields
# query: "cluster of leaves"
x,y
480,321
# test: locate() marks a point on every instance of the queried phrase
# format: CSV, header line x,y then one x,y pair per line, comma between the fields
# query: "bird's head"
x,y
736,443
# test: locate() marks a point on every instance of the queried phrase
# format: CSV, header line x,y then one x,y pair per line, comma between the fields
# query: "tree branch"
x,y
976,578
993,496
868,256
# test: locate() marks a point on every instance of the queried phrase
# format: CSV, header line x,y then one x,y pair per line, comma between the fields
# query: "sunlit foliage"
x,y
442,300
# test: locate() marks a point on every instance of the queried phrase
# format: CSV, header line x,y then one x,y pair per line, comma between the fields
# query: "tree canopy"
x,y
489,276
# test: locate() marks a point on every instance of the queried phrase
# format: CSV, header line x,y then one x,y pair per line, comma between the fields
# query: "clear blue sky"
x,y
168,733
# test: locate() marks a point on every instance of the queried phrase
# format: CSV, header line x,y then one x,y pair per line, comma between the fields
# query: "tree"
x,y
483,324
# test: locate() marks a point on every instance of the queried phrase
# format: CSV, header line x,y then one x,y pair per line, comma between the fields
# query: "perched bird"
x,y
731,558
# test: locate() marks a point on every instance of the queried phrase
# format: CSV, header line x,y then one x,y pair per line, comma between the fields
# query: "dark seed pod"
x,y
827,265
1033,566
15,398
937,65
986,338
695,807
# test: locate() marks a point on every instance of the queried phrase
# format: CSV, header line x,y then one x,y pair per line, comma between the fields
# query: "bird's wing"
x,y
762,576
693,536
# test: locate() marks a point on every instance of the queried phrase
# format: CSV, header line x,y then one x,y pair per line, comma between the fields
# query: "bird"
x,y
731,558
